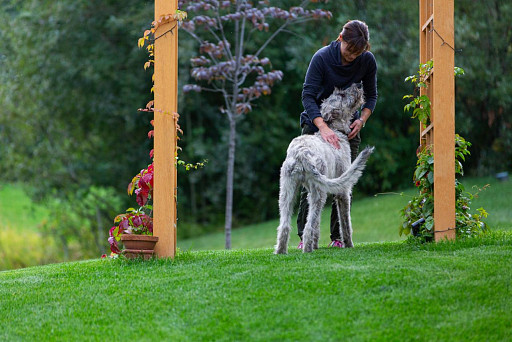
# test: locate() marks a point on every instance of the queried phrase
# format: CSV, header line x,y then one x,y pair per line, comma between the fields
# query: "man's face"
x,y
349,54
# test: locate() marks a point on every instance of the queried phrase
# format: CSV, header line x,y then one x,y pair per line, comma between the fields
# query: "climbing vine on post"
x,y
418,214
140,221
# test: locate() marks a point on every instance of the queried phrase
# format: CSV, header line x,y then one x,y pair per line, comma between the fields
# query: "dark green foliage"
x,y
484,97
264,135
71,79
70,93
71,83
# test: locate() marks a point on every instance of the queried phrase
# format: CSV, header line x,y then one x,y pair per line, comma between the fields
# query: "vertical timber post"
x,y
166,100
444,132
436,21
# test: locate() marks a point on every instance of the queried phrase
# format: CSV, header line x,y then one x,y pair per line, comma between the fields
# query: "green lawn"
x,y
394,291
374,219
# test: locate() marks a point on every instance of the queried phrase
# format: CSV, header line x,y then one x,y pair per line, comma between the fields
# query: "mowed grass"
x,y
394,291
374,219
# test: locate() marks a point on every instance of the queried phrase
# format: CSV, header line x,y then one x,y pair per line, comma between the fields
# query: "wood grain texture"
x,y
166,91
444,131
436,21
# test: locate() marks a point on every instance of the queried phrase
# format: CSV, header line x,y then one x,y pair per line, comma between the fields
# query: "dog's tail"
x,y
348,179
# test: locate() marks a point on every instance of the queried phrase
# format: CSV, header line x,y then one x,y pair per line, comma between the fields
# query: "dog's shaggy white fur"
x,y
322,169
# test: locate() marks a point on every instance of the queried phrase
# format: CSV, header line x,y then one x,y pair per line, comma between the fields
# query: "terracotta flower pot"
x,y
138,245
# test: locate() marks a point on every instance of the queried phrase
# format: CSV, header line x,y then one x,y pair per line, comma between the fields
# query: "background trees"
x,y
71,83
232,37
72,78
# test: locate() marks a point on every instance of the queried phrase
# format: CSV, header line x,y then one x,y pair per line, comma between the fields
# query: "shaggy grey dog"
x,y
322,169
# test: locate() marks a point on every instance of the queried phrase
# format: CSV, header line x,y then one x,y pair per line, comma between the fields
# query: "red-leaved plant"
x,y
142,185
135,221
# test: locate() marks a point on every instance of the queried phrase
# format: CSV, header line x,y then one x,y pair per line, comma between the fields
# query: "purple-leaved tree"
x,y
224,66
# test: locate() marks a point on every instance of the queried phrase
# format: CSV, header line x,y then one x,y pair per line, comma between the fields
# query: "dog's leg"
x,y
343,205
316,237
316,229
288,186
316,201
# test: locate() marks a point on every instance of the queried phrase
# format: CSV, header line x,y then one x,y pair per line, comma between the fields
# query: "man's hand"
x,y
356,126
359,123
327,134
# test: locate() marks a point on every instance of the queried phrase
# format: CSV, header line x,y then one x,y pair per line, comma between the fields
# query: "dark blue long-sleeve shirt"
x,y
325,72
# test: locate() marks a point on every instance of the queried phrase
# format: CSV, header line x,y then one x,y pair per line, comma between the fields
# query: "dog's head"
x,y
342,103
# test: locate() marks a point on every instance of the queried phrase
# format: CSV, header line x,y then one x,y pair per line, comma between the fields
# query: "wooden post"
x,y
436,21
444,132
166,103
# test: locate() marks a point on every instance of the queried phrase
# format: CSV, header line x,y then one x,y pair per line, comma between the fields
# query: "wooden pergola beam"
x,y
436,43
165,104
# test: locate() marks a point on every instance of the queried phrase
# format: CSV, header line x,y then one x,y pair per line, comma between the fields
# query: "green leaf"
x,y
420,172
430,177
428,209
429,224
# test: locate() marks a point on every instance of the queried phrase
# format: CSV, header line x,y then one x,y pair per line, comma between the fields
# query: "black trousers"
x,y
304,206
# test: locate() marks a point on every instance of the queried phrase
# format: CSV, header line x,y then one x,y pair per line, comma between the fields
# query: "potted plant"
x,y
135,227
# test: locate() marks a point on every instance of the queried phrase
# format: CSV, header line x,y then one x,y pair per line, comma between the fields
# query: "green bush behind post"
x,y
24,248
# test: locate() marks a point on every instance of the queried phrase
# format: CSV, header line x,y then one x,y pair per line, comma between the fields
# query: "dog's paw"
x,y
280,250
307,249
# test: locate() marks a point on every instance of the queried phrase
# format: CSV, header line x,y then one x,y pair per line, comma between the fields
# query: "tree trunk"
x,y
229,181
65,248
100,234
192,180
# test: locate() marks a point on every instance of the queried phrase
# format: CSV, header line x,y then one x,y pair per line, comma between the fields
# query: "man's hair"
x,y
356,34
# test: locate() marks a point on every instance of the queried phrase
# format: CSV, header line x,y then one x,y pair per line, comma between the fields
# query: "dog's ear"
x,y
326,111
360,93
329,104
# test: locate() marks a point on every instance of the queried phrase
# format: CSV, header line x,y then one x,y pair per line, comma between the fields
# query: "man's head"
x,y
355,39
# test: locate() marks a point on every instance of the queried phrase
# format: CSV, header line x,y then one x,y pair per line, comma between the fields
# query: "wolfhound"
x,y
322,169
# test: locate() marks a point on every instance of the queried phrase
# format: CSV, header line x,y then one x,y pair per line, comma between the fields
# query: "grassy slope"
x,y
374,219
384,291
